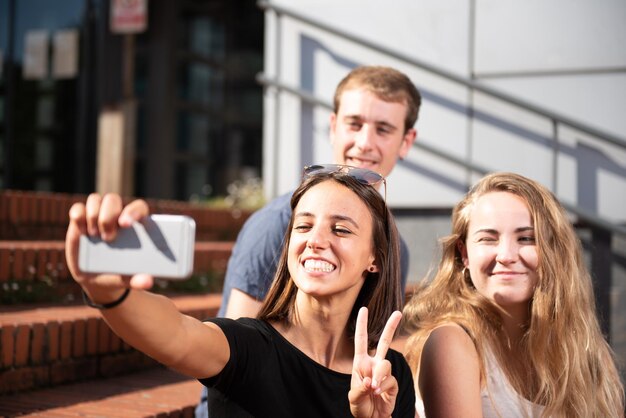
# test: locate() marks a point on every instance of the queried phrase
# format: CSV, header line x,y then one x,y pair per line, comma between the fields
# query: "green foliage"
x,y
31,291
210,282
46,289
242,194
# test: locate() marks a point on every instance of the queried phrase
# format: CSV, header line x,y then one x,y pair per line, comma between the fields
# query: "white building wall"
x,y
566,56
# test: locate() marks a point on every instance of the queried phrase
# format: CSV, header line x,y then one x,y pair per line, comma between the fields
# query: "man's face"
x,y
369,132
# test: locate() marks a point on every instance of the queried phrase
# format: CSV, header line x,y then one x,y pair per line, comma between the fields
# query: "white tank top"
x,y
499,399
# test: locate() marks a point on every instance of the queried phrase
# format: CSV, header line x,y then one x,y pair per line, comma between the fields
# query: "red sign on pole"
x,y
129,16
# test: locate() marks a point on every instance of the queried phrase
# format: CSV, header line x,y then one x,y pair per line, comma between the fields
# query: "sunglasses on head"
x,y
362,175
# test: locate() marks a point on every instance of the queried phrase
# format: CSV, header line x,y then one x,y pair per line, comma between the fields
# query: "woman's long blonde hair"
x,y
574,368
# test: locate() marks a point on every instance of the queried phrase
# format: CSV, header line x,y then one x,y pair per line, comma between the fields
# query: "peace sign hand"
x,y
373,389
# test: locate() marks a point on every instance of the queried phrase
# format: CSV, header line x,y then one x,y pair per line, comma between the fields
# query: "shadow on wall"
x,y
589,160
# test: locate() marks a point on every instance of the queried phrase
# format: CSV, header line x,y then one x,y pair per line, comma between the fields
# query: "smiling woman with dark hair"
x,y
311,352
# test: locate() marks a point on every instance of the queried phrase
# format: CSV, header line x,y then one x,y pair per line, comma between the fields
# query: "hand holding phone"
x,y
160,245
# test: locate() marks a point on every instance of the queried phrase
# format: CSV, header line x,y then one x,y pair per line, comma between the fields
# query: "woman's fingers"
x,y
77,217
76,228
358,393
141,281
372,375
92,211
106,214
389,386
110,210
387,335
134,211
380,372
360,333
103,216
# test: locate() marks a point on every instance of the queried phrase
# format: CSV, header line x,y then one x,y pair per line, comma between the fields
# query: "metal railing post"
x,y
276,151
601,266
555,154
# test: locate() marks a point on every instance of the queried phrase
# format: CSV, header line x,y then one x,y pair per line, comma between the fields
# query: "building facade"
x,y
184,87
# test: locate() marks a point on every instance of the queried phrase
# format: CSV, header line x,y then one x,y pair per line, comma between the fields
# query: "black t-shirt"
x,y
267,376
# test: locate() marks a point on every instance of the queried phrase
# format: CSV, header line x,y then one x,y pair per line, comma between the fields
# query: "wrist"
x,y
104,300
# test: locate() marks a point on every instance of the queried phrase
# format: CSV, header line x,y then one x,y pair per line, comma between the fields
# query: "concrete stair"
x,y
156,392
64,361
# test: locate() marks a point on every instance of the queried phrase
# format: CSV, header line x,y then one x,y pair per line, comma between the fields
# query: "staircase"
x,y
58,358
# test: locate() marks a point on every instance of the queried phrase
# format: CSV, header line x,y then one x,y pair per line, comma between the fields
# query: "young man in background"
x,y
372,126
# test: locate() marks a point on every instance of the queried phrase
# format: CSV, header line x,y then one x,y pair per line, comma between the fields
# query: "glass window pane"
x,y
43,184
195,132
4,35
199,83
44,153
205,37
31,14
191,180
45,112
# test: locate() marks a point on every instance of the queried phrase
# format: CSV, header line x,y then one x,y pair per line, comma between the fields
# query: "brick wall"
x,y
34,216
49,345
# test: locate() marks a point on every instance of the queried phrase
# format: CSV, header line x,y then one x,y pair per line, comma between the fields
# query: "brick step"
x,y
40,266
27,215
158,392
24,260
46,345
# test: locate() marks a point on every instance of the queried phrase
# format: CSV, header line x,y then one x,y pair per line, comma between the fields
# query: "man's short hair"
x,y
387,84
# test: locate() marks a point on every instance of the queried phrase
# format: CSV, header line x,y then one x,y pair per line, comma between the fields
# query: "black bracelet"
x,y
109,305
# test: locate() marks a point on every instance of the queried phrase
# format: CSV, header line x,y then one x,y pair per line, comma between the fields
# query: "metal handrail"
x,y
307,97
602,230
605,136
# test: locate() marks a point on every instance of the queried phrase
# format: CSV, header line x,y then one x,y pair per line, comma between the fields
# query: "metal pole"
x,y
128,70
9,139
276,149
555,155
601,266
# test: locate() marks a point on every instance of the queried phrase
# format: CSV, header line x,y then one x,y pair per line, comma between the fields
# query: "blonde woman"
x,y
507,327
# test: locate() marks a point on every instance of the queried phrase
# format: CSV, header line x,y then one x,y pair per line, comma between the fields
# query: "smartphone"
x,y
160,245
